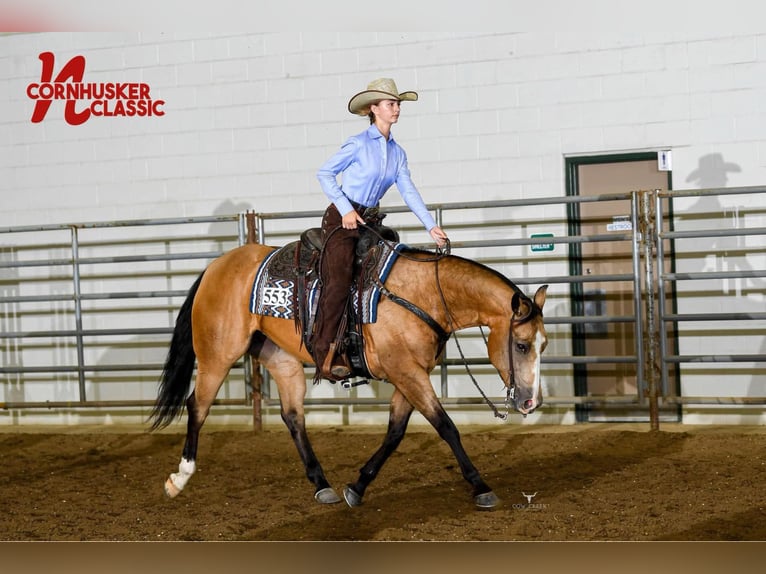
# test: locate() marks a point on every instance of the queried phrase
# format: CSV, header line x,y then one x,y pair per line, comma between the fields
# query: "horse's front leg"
x,y
483,496
291,382
423,398
399,416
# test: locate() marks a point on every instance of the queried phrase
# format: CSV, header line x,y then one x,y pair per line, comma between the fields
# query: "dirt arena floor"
x,y
590,482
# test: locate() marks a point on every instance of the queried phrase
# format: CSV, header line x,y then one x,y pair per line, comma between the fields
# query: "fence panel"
x,y
719,273
86,310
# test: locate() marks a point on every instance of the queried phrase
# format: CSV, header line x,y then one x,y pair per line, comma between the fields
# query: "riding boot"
x,y
336,274
335,364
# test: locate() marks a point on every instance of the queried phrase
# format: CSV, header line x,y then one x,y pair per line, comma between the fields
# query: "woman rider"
x,y
371,162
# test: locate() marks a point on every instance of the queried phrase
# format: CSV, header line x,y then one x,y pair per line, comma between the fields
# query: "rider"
x,y
371,162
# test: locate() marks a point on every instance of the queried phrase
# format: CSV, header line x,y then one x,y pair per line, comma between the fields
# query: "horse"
x,y
216,327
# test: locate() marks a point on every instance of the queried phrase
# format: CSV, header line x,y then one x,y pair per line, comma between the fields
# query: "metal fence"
x,y
61,288
55,281
709,235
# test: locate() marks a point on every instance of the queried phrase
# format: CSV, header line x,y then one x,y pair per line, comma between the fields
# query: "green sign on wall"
x,y
541,246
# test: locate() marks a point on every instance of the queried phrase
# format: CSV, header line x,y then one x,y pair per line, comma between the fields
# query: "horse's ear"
x,y
540,296
515,302
520,306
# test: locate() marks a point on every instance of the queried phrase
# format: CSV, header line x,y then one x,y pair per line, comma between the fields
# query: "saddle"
x,y
298,262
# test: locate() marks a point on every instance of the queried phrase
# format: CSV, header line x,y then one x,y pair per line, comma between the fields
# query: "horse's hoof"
x,y
171,489
326,496
486,501
351,497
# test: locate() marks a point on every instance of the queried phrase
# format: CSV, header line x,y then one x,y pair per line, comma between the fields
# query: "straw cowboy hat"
x,y
377,90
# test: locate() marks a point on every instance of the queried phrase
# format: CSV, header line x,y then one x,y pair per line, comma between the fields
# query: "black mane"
x,y
503,278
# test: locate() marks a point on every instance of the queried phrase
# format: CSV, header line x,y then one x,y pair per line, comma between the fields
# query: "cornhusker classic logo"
x,y
83,100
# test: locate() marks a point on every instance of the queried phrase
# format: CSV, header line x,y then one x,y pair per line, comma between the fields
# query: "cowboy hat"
x,y
377,90
712,165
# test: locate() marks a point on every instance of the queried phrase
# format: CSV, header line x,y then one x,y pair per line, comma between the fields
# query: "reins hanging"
x,y
451,328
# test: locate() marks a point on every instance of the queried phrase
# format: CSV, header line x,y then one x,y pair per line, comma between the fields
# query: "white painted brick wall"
x,y
703,91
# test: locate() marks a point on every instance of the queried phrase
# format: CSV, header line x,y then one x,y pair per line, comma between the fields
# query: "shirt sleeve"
x,y
328,175
411,195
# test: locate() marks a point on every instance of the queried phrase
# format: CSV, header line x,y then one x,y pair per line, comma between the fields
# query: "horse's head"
x,y
527,342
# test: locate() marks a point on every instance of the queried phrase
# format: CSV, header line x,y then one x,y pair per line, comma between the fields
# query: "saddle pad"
x,y
273,296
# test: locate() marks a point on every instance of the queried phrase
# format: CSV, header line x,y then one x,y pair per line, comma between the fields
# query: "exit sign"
x,y
541,246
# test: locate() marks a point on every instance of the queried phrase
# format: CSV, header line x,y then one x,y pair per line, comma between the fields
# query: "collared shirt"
x,y
370,166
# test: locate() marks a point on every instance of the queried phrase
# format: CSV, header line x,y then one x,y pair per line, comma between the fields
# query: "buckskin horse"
x,y
425,298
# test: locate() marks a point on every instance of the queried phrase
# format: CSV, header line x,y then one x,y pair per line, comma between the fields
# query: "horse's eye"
x,y
522,348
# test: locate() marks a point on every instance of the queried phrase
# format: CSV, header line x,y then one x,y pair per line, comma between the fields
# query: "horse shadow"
x,y
559,467
152,349
130,351
746,525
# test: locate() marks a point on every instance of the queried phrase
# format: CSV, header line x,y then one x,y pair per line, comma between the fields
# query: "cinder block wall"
x,y
249,118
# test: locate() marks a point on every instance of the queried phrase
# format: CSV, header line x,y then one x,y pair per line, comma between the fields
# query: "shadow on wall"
x,y
152,349
221,232
712,174
727,253
711,171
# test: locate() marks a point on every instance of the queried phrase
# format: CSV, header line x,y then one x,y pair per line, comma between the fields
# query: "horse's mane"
x,y
418,252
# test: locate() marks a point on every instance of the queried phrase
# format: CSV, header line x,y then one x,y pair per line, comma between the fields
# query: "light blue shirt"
x,y
370,166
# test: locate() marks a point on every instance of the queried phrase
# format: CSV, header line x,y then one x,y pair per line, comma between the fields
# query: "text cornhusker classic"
x,y
100,99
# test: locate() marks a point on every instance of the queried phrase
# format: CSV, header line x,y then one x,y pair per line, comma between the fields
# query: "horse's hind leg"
x,y
398,418
198,407
291,382
295,423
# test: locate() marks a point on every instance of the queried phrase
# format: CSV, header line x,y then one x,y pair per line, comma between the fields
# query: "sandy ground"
x,y
590,482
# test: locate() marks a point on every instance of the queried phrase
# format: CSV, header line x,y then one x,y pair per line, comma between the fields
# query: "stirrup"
x,y
351,384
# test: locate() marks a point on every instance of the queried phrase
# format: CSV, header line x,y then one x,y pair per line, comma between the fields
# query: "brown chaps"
x,y
336,274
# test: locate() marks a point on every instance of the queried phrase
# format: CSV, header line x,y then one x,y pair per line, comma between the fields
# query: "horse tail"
x,y
179,366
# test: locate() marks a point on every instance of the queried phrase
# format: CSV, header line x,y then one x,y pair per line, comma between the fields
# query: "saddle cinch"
x,y
299,262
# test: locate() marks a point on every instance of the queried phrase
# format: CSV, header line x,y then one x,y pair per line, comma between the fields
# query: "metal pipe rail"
x,y
76,297
666,316
97,260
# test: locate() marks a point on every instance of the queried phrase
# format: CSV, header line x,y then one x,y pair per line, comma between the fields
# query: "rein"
x,y
509,390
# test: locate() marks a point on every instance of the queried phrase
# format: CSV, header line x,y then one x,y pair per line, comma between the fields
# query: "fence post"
x,y
256,393
77,294
648,230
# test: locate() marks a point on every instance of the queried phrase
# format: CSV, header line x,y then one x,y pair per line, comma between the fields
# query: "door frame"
x,y
576,294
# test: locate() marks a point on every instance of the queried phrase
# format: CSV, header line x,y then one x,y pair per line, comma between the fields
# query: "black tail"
x,y
179,366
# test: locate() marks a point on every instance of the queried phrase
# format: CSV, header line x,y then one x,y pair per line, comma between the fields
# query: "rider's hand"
x,y
438,235
351,220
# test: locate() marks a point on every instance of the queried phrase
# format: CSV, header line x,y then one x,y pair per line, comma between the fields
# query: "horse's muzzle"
x,y
528,406
524,399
